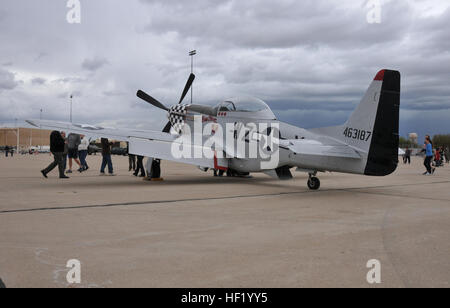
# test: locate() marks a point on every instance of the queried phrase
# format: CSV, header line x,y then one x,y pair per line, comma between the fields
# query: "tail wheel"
x,y
313,183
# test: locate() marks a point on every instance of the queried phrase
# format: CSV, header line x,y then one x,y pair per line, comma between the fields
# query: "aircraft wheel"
x,y
313,183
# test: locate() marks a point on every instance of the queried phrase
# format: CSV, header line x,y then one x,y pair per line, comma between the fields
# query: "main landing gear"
x,y
313,182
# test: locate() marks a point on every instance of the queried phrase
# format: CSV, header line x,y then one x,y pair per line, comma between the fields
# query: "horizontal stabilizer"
x,y
316,148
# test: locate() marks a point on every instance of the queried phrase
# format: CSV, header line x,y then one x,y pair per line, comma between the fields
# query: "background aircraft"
x,y
366,144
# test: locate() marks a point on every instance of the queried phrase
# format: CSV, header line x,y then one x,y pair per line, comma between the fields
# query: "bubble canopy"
x,y
245,104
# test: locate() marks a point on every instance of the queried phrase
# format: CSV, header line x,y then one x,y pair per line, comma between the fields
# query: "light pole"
x,y
18,134
192,53
71,97
40,128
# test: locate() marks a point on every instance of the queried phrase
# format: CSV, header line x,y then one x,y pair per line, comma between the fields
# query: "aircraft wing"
x,y
141,142
319,149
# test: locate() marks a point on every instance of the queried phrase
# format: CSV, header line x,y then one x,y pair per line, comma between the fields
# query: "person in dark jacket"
x,y
106,153
66,150
57,144
407,156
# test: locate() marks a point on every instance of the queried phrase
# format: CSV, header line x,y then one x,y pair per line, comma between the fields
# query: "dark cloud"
x,y
310,60
7,80
280,24
38,81
93,64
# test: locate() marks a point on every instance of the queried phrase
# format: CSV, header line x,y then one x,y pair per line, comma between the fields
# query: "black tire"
x,y
313,183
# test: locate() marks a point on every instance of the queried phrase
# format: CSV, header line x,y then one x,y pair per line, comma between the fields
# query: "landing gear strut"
x,y
313,182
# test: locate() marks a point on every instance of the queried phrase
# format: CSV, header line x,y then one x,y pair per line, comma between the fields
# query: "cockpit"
x,y
245,104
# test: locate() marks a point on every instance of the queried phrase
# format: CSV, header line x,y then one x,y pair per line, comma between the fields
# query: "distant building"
x,y
27,137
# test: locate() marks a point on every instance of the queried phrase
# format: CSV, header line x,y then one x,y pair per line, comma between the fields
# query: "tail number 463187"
x,y
357,134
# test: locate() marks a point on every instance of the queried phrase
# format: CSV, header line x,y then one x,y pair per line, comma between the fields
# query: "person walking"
x,y
131,159
155,169
6,150
83,152
57,143
148,169
407,156
106,154
446,155
437,158
66,150
428,157
140,166
131,162
73,141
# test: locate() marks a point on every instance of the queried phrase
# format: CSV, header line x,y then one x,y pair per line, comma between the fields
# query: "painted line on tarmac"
x,y
358,190
149,202
55,177
355,190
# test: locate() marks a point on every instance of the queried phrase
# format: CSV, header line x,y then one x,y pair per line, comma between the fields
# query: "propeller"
x,y
187,87
144,96
166,128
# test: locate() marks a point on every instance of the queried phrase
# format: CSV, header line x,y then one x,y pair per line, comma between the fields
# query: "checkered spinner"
x,y
177,116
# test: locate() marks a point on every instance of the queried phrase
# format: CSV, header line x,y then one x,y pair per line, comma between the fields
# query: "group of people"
x,y
434,156
75,148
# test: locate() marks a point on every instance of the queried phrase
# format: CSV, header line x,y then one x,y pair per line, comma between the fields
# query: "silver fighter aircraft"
x,y
223,137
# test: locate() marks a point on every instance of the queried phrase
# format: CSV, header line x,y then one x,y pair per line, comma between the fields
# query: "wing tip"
x,y
32,123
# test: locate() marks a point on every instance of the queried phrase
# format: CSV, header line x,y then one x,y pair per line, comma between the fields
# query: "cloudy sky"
x,y
310,60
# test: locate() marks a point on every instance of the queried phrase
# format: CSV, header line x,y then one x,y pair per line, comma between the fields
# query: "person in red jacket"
x,y
437,158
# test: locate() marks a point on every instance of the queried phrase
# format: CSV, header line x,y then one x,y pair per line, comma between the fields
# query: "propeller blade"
x,y
166,128
187,87
144,96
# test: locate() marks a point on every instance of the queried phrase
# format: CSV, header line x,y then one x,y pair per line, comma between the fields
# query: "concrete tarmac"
x,y
195,230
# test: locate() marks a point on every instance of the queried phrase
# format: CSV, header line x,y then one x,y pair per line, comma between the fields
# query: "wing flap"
x,y
169,150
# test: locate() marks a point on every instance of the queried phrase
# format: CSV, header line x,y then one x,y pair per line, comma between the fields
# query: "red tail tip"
x,y
380,75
